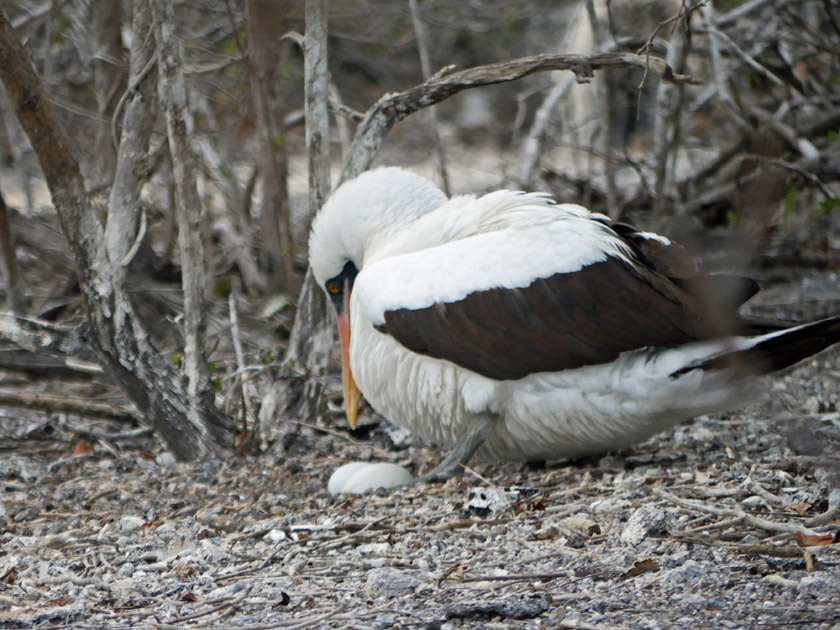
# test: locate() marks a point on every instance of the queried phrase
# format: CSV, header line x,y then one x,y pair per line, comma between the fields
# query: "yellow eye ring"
x,y
332,288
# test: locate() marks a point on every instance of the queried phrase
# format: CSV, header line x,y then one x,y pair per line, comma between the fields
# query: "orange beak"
x,y
352,395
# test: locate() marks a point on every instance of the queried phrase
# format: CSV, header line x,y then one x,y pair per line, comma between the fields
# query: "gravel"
x,y
697,527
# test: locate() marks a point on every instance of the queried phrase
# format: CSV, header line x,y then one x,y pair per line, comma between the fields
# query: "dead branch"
x,y
39,336
755,521
103,436
393,108
53,404
39,364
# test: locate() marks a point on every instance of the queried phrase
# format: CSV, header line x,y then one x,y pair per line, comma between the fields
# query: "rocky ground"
x,y
725,522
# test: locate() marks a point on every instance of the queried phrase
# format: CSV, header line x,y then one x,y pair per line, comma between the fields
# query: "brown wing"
x,y
565,321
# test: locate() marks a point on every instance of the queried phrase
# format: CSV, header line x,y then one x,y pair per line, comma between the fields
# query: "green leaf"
x,y
278,141
826,206
832,135
177,358
222,286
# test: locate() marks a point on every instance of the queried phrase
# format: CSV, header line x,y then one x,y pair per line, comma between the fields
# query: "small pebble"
x,y
391,581
131,523
275,535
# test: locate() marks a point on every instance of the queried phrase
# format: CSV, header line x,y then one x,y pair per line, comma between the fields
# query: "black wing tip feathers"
x,y
780,351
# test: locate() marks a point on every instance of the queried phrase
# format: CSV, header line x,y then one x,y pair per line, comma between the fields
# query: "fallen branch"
x,y
39,336
755,521
85,408
88,434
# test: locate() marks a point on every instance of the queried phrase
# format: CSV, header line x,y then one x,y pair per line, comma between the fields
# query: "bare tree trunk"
x,y
267,21
298,394
173,96
112,329
106,16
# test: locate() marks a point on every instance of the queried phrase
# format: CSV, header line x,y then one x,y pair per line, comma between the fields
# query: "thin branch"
x,y
426,67
825,190
533,145
244,379
737,13
666,129
683,13
752,63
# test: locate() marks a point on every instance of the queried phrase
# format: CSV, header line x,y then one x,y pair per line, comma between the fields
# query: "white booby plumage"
x,y
520,329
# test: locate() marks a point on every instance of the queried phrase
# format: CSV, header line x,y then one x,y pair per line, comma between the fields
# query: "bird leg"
x,y
479,428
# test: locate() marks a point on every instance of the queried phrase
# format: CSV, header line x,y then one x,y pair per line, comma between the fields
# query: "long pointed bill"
x,y
352,395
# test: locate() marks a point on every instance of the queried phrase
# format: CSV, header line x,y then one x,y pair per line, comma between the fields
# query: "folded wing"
x,y
545,298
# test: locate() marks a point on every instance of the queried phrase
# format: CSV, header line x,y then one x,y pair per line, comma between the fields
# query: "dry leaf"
x,y
585,525
82,448
534,505
10,576
184,570
800,507
639,567
809,561
812,540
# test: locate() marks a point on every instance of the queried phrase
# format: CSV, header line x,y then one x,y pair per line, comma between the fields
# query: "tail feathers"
x,y
775,351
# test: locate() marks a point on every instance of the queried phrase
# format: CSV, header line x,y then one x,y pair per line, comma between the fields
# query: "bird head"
x,y
360,212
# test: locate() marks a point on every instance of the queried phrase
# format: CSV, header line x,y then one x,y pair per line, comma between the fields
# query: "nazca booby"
x,y
514,328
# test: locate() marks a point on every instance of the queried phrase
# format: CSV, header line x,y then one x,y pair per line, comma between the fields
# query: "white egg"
x,y
369,476
342,474
372,476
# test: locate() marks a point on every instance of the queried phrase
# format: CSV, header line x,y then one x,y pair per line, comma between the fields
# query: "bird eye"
x,y
332,288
